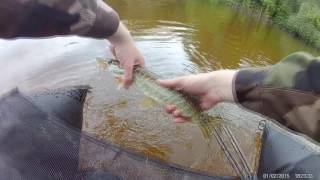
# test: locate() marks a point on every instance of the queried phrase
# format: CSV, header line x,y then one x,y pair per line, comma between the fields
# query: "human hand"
x,y
129,56
124,49
210,88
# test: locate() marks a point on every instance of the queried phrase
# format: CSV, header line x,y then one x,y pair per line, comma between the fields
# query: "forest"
x,y
299,17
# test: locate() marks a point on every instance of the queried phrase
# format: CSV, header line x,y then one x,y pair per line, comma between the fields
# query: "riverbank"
x,y
300,18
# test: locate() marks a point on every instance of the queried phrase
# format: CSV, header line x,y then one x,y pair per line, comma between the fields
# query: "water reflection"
x,y
48,63
212,36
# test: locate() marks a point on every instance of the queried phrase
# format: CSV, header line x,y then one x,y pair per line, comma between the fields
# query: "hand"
x,y
129,56
210,88
126,52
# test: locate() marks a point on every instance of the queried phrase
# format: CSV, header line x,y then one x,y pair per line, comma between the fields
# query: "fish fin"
x,y
208,127
147,103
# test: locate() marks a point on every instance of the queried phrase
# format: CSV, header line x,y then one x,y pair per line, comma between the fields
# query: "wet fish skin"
x,y
147,83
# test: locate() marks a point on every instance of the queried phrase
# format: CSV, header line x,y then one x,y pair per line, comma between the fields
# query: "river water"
x,y
176,37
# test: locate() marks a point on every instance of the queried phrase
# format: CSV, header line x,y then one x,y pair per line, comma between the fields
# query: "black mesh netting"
x,y
40,139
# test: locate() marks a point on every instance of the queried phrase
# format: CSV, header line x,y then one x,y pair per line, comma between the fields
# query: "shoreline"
x,y
309,34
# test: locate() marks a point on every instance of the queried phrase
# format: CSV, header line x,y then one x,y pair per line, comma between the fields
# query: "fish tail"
x,y
207,127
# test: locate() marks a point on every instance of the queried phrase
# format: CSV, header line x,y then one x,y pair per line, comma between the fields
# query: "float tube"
x,y
40,135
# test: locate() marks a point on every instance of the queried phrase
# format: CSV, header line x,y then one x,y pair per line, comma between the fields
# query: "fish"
x,y
211,127
146,81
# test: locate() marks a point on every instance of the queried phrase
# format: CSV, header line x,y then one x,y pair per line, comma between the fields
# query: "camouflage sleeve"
x,y
40,18
288,92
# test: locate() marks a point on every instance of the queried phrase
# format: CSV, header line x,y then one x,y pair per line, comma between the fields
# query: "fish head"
x,y
113,66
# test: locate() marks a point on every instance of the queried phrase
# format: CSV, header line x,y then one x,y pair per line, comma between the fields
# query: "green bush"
x,y
299,17
306,23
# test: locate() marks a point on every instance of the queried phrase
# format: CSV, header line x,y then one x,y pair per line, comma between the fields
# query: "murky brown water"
x,y
176,37
208,35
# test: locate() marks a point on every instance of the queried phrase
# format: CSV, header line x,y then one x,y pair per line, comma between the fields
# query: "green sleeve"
x,y
288,92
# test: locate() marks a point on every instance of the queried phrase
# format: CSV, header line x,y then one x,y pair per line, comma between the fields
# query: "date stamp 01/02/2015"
x,y
287,176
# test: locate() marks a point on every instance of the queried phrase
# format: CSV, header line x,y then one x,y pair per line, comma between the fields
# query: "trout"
x,y
146,81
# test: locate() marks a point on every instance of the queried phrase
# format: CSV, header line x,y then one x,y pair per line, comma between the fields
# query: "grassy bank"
x,y
299,17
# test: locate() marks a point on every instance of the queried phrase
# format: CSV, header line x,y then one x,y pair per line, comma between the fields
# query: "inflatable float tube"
x,y
40,134
286,155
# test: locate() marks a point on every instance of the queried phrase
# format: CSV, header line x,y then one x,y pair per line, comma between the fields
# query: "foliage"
x,y
306,23
299,17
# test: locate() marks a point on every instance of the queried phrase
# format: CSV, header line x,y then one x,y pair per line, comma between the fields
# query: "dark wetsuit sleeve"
x,y
41,18
288,92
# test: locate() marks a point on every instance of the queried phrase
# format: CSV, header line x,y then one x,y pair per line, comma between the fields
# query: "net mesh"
x,y
41,138
125,118
37,142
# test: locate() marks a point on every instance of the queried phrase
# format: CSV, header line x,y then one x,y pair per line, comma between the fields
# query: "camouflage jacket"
x,y
39,18
288,92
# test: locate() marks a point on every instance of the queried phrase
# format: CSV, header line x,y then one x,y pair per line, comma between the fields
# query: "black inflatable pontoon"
x,y
40,135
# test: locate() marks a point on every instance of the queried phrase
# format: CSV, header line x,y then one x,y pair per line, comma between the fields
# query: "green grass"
x,y
299,17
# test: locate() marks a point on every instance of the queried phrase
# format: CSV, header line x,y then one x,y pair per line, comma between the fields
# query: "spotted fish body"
x,y
146,82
